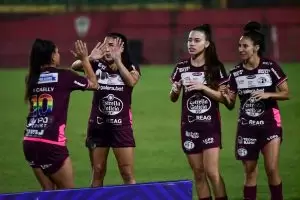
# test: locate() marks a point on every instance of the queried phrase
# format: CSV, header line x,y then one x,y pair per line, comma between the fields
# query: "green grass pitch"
x,y
156,126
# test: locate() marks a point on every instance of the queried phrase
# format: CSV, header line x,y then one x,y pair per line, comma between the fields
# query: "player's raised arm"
x,y
82,53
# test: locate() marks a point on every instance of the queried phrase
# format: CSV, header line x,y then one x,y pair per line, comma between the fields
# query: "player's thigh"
x,y
43,179
211,158
63,177
196,162
124,156
98,157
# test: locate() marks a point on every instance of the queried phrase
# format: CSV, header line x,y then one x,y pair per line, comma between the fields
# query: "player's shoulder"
x,y
266,62
236,68
183,63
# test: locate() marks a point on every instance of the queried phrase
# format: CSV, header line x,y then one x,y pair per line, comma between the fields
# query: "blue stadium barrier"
x,y
169,190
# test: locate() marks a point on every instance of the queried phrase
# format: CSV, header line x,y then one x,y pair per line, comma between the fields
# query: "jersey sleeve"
x,y
73,81
175,76
277,74
223,76
232,82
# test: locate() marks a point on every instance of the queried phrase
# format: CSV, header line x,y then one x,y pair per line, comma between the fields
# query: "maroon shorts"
x,y
251,140
196,141
98,137
48,157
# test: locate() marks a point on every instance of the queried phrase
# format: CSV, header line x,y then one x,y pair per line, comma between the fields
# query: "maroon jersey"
x,y
49,103
266,77
111,106
199,111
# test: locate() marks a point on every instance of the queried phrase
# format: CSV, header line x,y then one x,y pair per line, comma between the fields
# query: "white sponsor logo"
x,y
198,77
193,135
33,132
249,91
263,71
188,145
183,69
198,104
109,79
79,84
38,123
237,73
199,118
46,166
244,121
249,141
242,152
254,81
208,141
111,105
111,88
272,137
253,108
276,74
48,78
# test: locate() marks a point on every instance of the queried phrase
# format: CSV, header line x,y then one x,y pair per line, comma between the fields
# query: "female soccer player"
x,y
200,78
259,82
110,122
48,90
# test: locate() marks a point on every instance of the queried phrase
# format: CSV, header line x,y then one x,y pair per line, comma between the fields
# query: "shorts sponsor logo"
x,y
208,141
243,140
198,104
46,166
111,105
272,137
189,145
190,134
242,152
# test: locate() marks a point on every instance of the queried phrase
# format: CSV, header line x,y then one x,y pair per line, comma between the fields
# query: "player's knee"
x,y
126,172
250,173
99,170
199,174
213,175
272,171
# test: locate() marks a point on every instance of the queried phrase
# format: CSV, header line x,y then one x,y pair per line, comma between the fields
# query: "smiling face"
x,y
247,49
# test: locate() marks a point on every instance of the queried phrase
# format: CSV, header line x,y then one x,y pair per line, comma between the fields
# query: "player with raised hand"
x,y
110,122
48,91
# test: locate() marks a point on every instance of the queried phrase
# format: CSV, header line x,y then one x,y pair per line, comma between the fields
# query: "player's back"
x,y
49,99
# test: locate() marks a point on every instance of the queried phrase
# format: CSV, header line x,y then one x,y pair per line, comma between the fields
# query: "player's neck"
x,y
252,63
198,60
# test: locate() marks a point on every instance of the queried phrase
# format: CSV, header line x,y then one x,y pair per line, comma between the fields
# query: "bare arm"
x,y
175,91
82,52
282,93
130,78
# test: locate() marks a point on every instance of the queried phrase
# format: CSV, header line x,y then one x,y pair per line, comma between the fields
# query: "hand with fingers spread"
x,y
99,51
117,50
194,85
259,95
81,50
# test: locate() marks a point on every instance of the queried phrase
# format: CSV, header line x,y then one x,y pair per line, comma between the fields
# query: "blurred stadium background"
x,y
157,30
